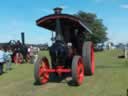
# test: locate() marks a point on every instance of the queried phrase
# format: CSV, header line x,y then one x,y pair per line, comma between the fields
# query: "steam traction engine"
x,y
19,50
69,52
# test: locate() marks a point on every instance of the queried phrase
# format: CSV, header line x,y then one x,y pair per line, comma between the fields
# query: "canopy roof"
x,y
49,22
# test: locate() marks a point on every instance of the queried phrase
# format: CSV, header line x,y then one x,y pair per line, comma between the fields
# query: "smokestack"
x,y
22,38
57,10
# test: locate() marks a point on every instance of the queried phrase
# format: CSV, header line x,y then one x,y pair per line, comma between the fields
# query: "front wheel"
x,y
77,70
42,64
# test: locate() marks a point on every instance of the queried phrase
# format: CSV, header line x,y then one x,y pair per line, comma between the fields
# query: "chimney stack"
x,y
23,38
57,10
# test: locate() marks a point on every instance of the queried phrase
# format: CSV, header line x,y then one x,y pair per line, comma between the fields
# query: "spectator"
x,y
31,54
8,54
2,60
30,51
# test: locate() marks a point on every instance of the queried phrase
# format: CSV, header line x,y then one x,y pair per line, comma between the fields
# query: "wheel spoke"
x,y
44,76
40,71
80,71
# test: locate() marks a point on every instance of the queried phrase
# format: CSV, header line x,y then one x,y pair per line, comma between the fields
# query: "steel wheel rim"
x,y
92,60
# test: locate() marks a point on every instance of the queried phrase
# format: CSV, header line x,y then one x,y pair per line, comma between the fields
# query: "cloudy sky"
x,y
19,16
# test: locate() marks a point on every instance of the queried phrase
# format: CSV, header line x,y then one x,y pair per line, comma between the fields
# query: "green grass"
x,y
110,79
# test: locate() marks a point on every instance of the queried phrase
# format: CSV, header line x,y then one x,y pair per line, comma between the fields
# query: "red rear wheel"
x,y
88,58
41,76
92,60
18,58
77,70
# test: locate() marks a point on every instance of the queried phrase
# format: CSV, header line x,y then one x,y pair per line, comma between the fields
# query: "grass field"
x,y
110,79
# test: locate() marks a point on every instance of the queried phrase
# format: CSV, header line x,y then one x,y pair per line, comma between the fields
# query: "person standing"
x,y
8,54
2,60
31,55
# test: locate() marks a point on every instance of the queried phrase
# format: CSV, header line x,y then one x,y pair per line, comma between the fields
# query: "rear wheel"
x,y
18,58
88,58
77,70
42,64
